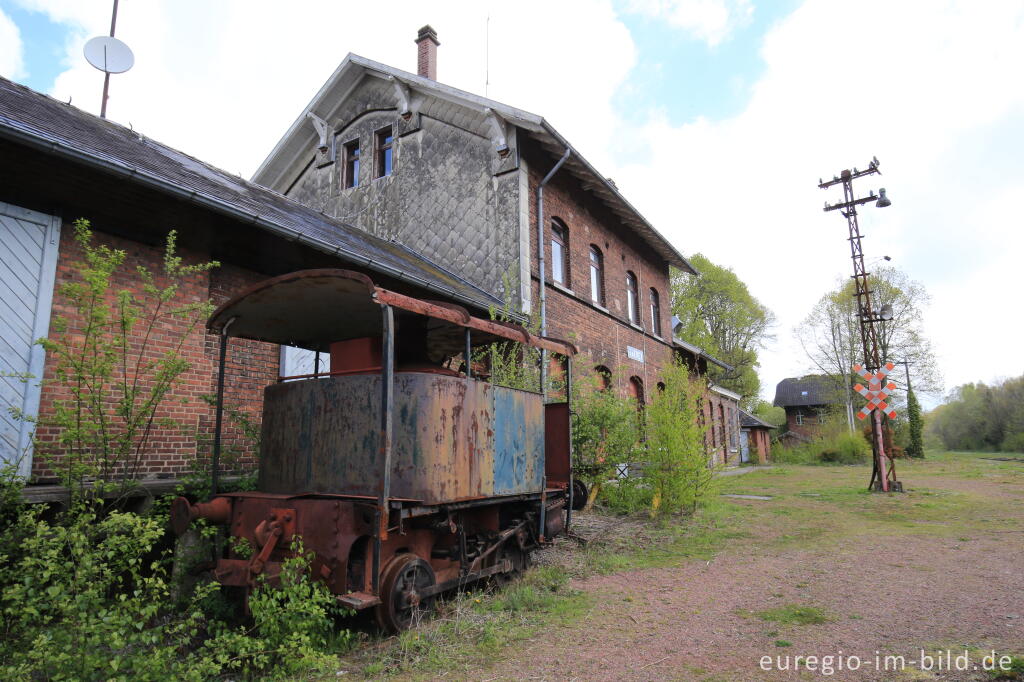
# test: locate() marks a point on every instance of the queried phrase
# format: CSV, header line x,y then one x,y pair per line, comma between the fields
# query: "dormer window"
x,y
351,166
383,146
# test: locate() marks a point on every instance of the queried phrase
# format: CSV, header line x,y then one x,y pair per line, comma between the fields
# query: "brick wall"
x,y
761,444
601,333
810,427
251,366
721,416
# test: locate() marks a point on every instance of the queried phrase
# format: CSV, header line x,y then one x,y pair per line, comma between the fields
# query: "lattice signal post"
x,y
883,474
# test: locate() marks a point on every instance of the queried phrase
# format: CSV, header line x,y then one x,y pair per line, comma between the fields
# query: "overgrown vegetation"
x,y
679,468
834,444
85,591
86,595
605,436
110,379
981,417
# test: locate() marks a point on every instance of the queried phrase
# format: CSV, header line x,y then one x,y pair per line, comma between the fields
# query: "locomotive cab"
x,y
402,473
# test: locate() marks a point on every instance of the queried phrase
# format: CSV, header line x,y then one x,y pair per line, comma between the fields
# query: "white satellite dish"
x,y
108,54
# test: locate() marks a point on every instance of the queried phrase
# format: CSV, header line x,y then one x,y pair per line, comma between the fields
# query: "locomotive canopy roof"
x,y
313,308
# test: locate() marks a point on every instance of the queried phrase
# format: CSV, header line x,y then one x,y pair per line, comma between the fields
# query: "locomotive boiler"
x,y
403,477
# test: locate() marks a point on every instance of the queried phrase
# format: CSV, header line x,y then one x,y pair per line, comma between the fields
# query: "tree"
x,y
830,334
718,313
767,412
980,417
916,446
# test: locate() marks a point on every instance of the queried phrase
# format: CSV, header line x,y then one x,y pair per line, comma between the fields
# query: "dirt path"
x,y
918,585
696,621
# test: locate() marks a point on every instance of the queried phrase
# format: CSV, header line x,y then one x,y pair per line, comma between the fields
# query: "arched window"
x,y
636,390
559,252
596,275
558,370
632,298
655,312
604,377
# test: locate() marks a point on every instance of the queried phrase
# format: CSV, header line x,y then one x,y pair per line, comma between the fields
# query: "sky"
x,y
715,118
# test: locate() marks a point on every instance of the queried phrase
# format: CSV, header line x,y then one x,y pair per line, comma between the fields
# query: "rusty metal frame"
x,y
387,407
448,312
219,418
883,472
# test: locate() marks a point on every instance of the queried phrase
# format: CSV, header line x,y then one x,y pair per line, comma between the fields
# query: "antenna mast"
x,y
109,55
106,75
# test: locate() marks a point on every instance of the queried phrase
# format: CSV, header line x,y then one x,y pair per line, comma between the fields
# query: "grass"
x,y
810,505
794,614
472,628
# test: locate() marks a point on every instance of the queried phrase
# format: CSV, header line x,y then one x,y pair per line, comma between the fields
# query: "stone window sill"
x,y
561,287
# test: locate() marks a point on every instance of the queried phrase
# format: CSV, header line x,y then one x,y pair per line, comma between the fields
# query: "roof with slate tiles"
x,y
31,118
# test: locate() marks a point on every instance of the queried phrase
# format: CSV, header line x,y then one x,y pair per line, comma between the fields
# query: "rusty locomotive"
x,y
402,477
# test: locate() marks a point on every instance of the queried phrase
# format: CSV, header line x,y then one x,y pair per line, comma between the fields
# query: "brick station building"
x,y
430,190
461,179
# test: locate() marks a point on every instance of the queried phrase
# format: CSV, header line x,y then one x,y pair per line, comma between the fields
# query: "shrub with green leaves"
x,y
605,432
80,600
679,467
834,445
86,596
110,378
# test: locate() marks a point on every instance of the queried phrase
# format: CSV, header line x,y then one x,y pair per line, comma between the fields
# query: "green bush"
x,y
627,495
86,595
835,445
1014,442
845,448
679,467
605,432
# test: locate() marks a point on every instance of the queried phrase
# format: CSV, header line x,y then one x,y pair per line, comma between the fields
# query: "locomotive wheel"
x,y
579,494
519,558
402,605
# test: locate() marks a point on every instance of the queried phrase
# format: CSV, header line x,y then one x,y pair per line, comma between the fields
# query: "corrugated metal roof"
x,y
37,120
809,390
299,138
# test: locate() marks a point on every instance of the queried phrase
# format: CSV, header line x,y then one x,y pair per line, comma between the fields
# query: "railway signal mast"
x,y
883,474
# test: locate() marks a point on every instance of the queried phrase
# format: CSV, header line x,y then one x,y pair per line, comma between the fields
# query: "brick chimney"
x,y
426,52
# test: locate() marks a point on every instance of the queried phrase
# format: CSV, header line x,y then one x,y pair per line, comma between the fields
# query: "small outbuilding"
x,y
755,438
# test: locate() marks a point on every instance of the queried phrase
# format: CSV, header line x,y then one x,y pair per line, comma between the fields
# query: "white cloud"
x,y
11,59
935,93
933,90
224,80
711,21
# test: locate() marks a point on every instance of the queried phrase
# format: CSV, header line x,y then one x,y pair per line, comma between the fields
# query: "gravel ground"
x,y
892,594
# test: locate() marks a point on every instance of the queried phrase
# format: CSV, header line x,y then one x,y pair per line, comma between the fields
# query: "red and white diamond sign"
x,y
875,393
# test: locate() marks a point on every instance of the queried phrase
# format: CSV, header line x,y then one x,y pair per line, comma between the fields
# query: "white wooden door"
x,y
28,259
